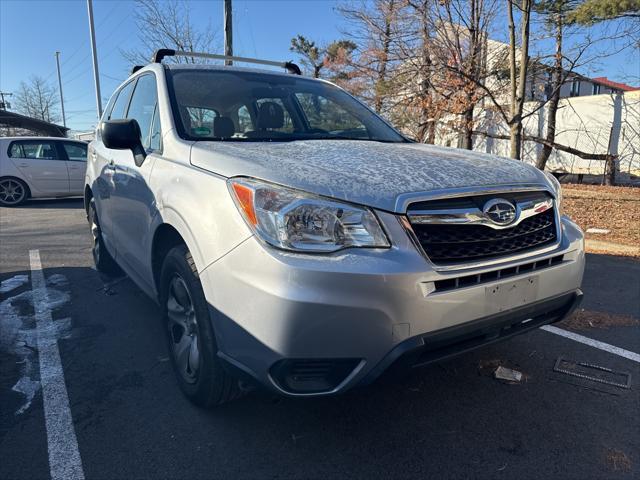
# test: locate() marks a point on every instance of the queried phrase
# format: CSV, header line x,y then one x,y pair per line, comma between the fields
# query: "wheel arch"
x,y
88,195
169,234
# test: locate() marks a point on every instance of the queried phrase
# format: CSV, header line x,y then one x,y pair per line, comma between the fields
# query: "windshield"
x,y
249,106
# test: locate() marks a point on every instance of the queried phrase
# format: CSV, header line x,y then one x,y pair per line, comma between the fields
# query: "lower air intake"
x,y
312,375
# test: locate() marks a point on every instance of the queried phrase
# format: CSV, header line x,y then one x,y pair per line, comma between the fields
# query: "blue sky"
x,y
32,30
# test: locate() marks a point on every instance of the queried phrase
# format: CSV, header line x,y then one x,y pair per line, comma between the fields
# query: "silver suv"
x,y
294,239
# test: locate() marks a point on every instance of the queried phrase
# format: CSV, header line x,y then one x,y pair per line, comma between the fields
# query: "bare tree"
x,y
463,28
374,28
38,99
168,24
518,72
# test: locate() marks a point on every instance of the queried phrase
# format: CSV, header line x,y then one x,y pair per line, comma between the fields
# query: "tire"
x,y
192,344
13,192
102,258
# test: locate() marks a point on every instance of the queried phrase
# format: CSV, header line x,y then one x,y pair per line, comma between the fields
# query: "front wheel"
x,y
13,192
192,344
101,257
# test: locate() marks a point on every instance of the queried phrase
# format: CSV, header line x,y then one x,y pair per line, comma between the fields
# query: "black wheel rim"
x,y
12,192
183,330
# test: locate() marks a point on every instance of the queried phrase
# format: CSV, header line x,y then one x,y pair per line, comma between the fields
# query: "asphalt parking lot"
x,y
449,420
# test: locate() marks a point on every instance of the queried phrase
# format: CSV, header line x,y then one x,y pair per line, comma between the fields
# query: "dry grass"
x,y
584,319
617,460
613,208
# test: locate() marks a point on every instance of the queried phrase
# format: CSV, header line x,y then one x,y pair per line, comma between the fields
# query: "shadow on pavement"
x,y
61,203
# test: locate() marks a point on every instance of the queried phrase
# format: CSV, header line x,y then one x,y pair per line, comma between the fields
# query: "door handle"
x,y
24,165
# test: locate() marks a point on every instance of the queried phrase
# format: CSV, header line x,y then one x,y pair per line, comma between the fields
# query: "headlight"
x,y
557,189
299,221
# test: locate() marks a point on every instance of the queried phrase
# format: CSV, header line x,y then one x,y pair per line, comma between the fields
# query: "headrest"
x,y
223,127
270,115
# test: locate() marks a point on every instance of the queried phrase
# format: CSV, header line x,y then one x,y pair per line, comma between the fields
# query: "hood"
x,y
363,172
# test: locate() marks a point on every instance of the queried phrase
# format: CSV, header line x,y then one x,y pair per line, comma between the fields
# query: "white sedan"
x,y
40,167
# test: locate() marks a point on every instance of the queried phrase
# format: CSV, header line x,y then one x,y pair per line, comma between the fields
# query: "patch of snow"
x,y
12,283
18,334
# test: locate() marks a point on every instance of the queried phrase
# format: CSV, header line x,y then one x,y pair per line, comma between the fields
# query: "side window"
x,y
155,142
120,105
107,110
17,150
143,104
76,152
34,149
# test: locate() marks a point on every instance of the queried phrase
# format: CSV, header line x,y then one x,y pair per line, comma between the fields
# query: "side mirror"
x,y
124,135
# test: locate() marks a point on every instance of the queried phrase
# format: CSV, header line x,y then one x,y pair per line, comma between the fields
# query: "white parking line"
x,y
635,357
64,457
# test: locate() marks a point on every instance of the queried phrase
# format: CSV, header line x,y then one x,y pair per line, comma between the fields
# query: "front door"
x,y
76,160
103,160
132,201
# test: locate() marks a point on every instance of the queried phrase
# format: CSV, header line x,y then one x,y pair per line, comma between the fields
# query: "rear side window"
x,y
76,152
121,103
41,150
143,104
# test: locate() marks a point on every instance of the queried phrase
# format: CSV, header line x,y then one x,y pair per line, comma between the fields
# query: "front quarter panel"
x,y
197,204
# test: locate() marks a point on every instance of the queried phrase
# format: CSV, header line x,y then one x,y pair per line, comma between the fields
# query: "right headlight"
x,y
302,222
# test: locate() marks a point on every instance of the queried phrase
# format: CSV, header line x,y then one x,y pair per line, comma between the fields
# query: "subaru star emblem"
x,y
500,211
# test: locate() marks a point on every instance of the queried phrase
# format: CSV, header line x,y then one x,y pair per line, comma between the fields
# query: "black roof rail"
x,y
167,52
136,68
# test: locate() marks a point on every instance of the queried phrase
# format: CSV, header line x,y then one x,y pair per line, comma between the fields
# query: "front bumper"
x,y
364,309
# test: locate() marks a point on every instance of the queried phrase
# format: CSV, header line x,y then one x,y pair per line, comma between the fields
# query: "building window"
x,y
575,88
596,89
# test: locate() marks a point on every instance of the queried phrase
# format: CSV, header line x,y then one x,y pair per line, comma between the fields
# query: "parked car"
x,y
40,167
294,239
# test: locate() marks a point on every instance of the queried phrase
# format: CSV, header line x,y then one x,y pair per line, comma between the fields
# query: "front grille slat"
x,y
481,278
459,243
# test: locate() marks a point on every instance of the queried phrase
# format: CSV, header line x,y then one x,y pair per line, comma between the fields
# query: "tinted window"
x,y
76,151
143,104
34,149
120,105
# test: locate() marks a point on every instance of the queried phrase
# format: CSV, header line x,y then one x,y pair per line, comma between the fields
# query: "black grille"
x,y
479,278
462,243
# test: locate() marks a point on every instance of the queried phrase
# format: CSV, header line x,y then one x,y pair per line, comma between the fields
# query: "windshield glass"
x,y
249,106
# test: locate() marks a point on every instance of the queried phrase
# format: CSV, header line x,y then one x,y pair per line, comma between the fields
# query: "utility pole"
x,y
64,119
228,31
96,75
